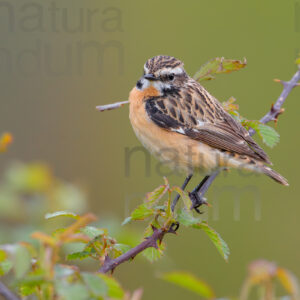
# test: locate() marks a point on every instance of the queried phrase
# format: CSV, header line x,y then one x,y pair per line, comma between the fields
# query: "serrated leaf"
x,y
190,282
254,124
217,66
153,254
122,247
78,255
153,197
92,231
96,284
142,212
114,289
61,214
268,134
215,238
186,218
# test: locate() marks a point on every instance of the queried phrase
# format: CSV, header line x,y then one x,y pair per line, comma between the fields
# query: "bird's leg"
x,y
174,227
196,198
186,181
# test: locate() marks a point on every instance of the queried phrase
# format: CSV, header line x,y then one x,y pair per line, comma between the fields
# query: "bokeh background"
x,y
52,77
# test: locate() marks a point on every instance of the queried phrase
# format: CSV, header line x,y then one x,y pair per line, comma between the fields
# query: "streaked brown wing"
x,y
201,117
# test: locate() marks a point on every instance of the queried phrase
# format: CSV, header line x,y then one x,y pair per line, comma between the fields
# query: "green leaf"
x,y
78,255
153,197
122,247
3,255
92,231
268,134
5,267
31,281
148,208
61,214
190,282
26,290
215,238
114,288
218,66
153,254
186,218
22,261
254,124
142,212
96,284
76,291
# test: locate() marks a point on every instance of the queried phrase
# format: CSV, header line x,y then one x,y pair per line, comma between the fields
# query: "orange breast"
x,y
139,96
176,150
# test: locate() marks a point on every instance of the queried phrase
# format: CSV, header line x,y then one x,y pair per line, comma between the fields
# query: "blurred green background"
x,y
52,77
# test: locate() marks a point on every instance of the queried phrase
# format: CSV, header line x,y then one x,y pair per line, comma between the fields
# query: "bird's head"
x,y
164,73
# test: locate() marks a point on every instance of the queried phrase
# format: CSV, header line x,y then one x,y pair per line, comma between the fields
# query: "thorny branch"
x,y
158,234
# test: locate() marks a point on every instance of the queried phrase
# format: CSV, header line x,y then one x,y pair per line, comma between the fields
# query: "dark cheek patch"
x,y
139,84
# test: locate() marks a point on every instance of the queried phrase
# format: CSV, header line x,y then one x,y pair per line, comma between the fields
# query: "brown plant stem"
x,y
111,264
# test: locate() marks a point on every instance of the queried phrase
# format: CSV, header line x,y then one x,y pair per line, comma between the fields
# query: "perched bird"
x,y
187,128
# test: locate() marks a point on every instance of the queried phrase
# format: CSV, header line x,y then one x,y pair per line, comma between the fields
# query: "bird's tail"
x,y
274,175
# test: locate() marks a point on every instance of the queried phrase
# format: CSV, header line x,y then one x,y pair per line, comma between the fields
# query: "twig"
x,y
271,115
111,106
111,264
158,234
6,293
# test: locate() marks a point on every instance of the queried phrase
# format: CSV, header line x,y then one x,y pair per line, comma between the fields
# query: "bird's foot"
x,y
197,201
174,227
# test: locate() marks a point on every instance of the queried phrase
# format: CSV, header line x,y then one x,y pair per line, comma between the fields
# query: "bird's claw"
x,y
174,227
197,201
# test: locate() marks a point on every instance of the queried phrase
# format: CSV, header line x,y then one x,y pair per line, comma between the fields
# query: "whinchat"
x,y
184,126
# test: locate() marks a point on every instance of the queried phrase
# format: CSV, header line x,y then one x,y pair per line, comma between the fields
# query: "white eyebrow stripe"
x,y
177,70
146,69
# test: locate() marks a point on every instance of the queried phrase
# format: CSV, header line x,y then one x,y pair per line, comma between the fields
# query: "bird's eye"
x,y
171,77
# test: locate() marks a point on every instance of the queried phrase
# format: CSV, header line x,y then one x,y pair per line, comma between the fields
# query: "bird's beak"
x,y
150,77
